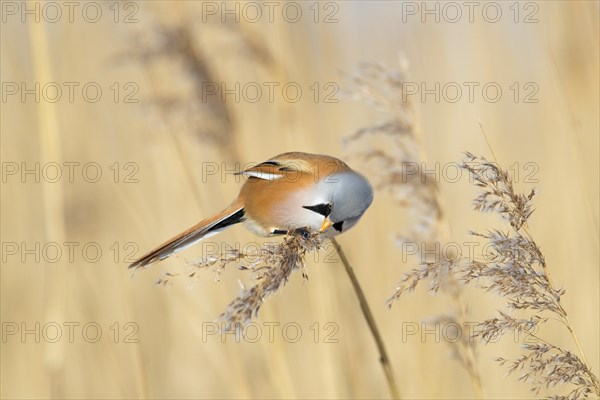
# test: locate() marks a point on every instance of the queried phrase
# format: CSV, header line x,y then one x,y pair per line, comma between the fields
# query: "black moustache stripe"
x,y
323,209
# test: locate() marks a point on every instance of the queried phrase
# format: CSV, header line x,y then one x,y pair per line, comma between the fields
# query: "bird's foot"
x,y
304,232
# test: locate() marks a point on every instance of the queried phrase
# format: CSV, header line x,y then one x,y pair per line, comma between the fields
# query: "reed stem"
x,y
384,359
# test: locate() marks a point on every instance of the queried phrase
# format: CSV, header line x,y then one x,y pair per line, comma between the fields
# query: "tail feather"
x,y
211,226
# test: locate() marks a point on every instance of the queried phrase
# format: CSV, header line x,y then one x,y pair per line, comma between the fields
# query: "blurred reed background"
x,y
164,57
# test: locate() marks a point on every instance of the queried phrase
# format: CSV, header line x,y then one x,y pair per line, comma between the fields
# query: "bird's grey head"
x,y
351,195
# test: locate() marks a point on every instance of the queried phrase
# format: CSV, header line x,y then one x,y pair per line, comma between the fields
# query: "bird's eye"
x,y
324,209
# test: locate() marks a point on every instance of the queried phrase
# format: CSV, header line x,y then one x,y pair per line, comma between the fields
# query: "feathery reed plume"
x,y
271,267
393,148
161,45
271,273
515,268
189,96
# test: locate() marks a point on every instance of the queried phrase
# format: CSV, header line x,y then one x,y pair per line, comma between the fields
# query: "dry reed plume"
x,y
181,100
515,269
159,46
271,267
393,148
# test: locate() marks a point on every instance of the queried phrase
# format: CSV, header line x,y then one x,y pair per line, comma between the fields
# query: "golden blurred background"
x,y
122,123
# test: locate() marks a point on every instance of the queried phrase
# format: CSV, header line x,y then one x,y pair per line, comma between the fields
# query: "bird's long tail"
x,y
208,227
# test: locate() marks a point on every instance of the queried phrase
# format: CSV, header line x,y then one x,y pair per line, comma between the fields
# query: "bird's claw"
x,y
304,232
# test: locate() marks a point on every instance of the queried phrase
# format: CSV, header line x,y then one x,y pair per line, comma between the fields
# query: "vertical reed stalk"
x,y
52,203
366,310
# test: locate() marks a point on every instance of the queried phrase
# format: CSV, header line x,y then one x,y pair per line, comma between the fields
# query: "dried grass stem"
x,y
366,310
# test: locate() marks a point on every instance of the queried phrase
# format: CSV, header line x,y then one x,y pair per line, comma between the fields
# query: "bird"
x,y
290,191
